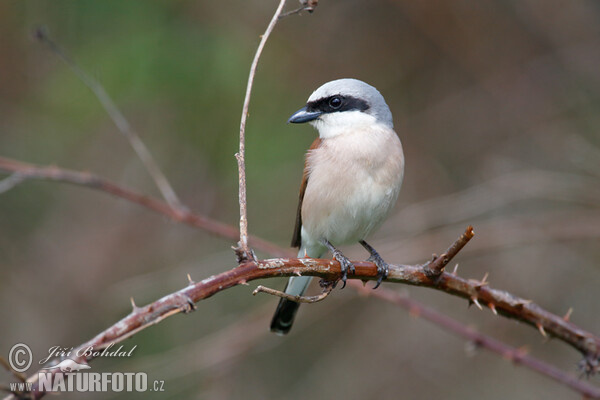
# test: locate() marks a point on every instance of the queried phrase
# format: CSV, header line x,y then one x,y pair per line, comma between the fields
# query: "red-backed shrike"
x,y
352,177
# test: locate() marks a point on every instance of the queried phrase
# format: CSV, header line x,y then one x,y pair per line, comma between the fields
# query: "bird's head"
x,y
342,104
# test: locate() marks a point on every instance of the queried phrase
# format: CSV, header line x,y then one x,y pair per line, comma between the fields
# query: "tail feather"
x,y
286,309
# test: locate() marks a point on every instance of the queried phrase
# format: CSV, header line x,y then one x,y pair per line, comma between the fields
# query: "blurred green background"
x,y
497,105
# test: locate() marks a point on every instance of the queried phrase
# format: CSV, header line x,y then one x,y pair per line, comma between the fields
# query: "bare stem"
x,y
517,356
10,182
297,299
141,318
243,251
27,171
477,292
435,267
119,120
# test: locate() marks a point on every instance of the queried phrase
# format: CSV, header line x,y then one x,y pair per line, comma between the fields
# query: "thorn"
x,y
476,302
479,284
567,316
484,280
493,308
305,255
541,329
455,269
190,281
244,282
363,291
133,305
296,272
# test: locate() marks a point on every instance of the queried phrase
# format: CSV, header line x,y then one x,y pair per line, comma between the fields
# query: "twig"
x,y
86,179
183,301
297,299
435,267
243,252
517,356
292,12
501,302
10,182
29,171
119,120
140,318
297,11
305,5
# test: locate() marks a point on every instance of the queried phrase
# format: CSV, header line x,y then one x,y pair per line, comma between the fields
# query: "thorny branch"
x,y
329,270
430,274
477,292
437,265
518,356
243,252
24,171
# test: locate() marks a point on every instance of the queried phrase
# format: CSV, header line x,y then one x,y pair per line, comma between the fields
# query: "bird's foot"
x,y
345,264
383,268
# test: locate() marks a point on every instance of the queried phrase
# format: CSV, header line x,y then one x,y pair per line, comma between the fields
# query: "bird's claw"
x,y
383,268
345,265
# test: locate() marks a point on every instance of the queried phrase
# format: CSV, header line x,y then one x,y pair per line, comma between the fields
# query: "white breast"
x,y
354,181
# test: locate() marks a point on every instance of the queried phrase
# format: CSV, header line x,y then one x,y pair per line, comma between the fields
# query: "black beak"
x,y
302,116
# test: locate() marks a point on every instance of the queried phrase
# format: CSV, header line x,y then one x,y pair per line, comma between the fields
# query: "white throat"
x,y
337,123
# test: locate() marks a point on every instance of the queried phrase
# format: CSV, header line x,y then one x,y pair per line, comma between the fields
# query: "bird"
x,y
353,172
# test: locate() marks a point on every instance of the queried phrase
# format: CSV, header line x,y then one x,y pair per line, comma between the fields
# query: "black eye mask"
x,y
337,103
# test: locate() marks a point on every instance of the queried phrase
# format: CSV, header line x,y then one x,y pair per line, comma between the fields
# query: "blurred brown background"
x,y
496,102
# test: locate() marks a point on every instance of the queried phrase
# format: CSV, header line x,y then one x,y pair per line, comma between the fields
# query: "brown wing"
x,y
296,238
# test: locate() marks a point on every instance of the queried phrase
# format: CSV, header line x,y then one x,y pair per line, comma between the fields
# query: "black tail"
x,y
284,316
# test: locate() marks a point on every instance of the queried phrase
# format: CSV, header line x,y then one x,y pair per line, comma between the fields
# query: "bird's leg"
x,y
382,267
345,264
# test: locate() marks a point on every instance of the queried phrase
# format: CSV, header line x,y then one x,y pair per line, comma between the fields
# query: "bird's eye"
x,y
335,102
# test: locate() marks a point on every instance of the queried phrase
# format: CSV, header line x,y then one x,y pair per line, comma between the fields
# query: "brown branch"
x,y
30,171
477,292
10,182
243,252
503,303
416,275
329,270
434,268
430,275
517,356
118,119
